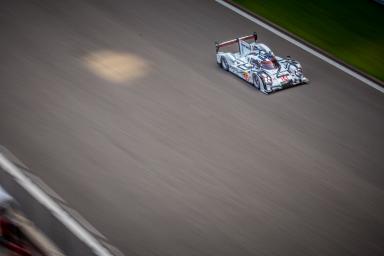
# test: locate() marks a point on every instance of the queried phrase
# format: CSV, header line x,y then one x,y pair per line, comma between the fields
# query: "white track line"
x,y
302,46
52,206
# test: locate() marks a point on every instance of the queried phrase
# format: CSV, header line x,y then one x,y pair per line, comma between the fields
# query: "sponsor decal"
x,y
245,75
284,78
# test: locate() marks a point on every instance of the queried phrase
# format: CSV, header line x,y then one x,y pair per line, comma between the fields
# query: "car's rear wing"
x,y
235,41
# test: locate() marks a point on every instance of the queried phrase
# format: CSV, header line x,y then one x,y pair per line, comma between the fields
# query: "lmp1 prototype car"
x,y
256,64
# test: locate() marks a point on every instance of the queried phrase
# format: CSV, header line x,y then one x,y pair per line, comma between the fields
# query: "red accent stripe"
x,y
248,37
234,41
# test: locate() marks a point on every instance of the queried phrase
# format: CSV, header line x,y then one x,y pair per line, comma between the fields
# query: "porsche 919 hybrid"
x,y
256,64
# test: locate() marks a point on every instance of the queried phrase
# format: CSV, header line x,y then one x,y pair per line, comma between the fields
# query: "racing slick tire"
x,y
256,81
224,64
259,84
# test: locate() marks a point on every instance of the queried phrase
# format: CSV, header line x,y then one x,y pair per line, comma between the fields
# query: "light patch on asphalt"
x,y
116,66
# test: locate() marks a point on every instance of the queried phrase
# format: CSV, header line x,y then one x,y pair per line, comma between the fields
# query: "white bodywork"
x,y
256,63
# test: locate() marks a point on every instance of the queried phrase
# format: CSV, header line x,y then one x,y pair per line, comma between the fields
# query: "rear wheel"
x,y
224,64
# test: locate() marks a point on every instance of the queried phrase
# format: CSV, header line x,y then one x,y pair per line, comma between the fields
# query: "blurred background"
x,y
119,106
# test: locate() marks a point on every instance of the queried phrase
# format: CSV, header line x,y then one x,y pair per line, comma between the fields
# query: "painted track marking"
x,y
51,205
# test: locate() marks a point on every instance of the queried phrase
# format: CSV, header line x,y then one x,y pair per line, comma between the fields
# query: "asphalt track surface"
x,y
187,159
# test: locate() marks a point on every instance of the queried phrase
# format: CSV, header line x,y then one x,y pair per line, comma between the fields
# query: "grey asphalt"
x,y
187,159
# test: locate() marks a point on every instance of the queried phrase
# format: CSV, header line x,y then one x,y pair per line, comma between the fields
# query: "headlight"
x,y
266,79
298,72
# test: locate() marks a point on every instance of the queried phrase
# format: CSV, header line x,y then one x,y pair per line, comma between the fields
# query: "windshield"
x,y
267,64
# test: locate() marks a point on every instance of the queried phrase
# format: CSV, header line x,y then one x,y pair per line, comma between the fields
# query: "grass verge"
x,y
352,31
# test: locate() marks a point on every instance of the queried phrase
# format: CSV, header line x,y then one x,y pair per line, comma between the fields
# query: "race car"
x,y
256,64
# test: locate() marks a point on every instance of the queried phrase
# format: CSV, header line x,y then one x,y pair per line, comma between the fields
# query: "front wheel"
x,y
259,84
224,64
256,81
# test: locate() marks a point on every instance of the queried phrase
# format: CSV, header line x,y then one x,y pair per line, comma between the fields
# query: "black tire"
x,y
263,88
259,84
256,81
224,64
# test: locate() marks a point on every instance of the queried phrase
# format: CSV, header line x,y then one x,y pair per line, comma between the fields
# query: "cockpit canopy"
x,y
269,64
265,62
